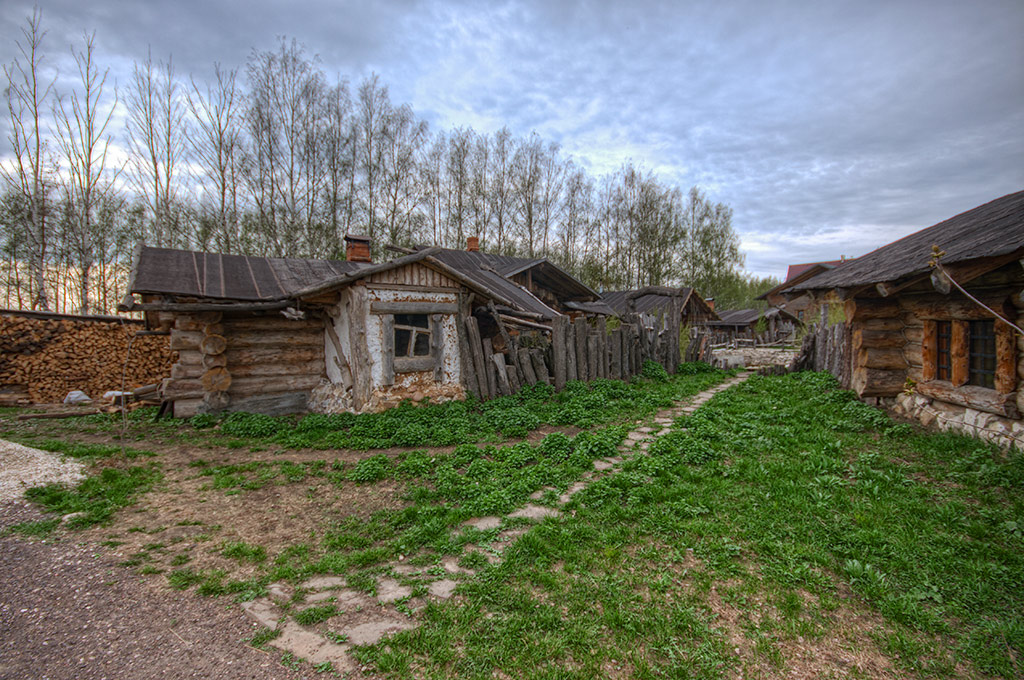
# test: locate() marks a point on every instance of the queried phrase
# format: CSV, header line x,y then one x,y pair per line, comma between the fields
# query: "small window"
x,y
412,335
944,337
982,365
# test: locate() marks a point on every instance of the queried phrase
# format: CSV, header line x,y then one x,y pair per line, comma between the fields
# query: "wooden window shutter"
x,y
1006,358
958,351
929,350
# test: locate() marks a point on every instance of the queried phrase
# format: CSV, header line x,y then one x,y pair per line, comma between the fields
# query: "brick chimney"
x,y
473,244
357,248
711,303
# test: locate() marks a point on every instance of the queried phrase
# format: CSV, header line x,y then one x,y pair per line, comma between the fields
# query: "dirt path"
x,y
69,613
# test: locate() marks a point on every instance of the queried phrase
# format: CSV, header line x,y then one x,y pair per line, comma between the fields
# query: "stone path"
x,y
363,619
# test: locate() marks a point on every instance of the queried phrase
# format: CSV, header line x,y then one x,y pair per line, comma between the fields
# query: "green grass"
x,y
787,491
96,498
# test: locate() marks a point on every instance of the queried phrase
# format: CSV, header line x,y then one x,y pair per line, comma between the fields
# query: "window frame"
x,y
969,340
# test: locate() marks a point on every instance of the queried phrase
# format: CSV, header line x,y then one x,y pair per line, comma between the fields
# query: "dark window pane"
x,y
402,338
417,320
982,362
422,347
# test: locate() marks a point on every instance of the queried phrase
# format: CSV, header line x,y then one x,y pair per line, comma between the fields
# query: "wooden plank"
x,y
616,345
929,350
875,382
1006,359
581,330
971,396
958,351
267,384
473,337
602,351
592,358
491,373
540,367
342,361
387,349
558,353
274,338
467,366
528,375
283,355
264,324
377,307
510,345
570,352
362,362
871,357
437,345
312,367
273,404
498,361
515,378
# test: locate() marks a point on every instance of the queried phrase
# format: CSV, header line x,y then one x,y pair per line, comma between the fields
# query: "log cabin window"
x,y
412,335
944,334
982,354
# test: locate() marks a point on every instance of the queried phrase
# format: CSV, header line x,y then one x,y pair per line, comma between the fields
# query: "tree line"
x,y
275,159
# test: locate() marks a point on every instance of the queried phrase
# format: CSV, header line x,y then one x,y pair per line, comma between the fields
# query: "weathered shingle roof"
x,y
993,229
645,304
230,277
745,317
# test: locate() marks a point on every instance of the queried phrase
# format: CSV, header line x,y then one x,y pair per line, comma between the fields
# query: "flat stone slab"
x,y
443,588
390,590
483,523
282,592
645,429
372,632
531,511
539,493
263,611
319,596
323,582
602,465
407,570
451,565
312,647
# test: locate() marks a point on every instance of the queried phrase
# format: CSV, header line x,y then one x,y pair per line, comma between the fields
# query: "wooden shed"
x,y
745,324
278,335
660,301
938,332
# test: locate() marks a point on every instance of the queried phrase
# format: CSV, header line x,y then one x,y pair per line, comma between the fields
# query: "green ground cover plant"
x,y
784,501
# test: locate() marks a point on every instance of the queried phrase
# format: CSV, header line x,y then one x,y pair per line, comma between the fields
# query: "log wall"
x,y
244,362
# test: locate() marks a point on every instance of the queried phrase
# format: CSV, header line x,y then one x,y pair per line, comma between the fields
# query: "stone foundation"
x,y
1004,432
334,398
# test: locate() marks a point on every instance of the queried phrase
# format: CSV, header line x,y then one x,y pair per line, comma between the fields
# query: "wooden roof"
x,y
991,230
269,280
746,317
655,300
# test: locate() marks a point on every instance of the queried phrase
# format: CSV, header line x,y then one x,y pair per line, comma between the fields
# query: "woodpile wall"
x,y
244,362
43,357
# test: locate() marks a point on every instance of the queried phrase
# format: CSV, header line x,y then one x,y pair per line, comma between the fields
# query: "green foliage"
x,y
96,497
313,615
244,552
654,371
371,469
251,425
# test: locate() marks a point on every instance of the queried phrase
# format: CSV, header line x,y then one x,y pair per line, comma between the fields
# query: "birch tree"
x,y
29,176
87,180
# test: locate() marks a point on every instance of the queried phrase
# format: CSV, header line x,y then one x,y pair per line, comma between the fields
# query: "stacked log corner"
x,y
41,360
243,362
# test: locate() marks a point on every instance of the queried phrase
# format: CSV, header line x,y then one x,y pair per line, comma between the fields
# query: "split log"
x,y
877,339
214,361
498,361
278,338
971,396
540,368
515,378
269,324
250,357
889,359
214,402
216,380
616,348
581,330
592,358
958,352
477,358
528,374
874,382
314,367
570,352
1006,369
558,353
213,344
492,377
269,384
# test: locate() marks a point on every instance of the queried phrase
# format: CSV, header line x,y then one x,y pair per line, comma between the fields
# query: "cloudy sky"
x,y
831,128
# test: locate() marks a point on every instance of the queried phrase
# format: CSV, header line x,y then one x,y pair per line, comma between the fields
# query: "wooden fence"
x,y
577,350
826,348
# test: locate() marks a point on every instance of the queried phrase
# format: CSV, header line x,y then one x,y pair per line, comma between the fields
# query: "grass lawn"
x,y
782,529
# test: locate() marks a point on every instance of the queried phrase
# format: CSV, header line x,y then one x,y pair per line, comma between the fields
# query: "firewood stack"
x,y
51,357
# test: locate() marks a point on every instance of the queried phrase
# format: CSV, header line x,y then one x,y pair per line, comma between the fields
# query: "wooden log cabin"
x,y
934,342
281,335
